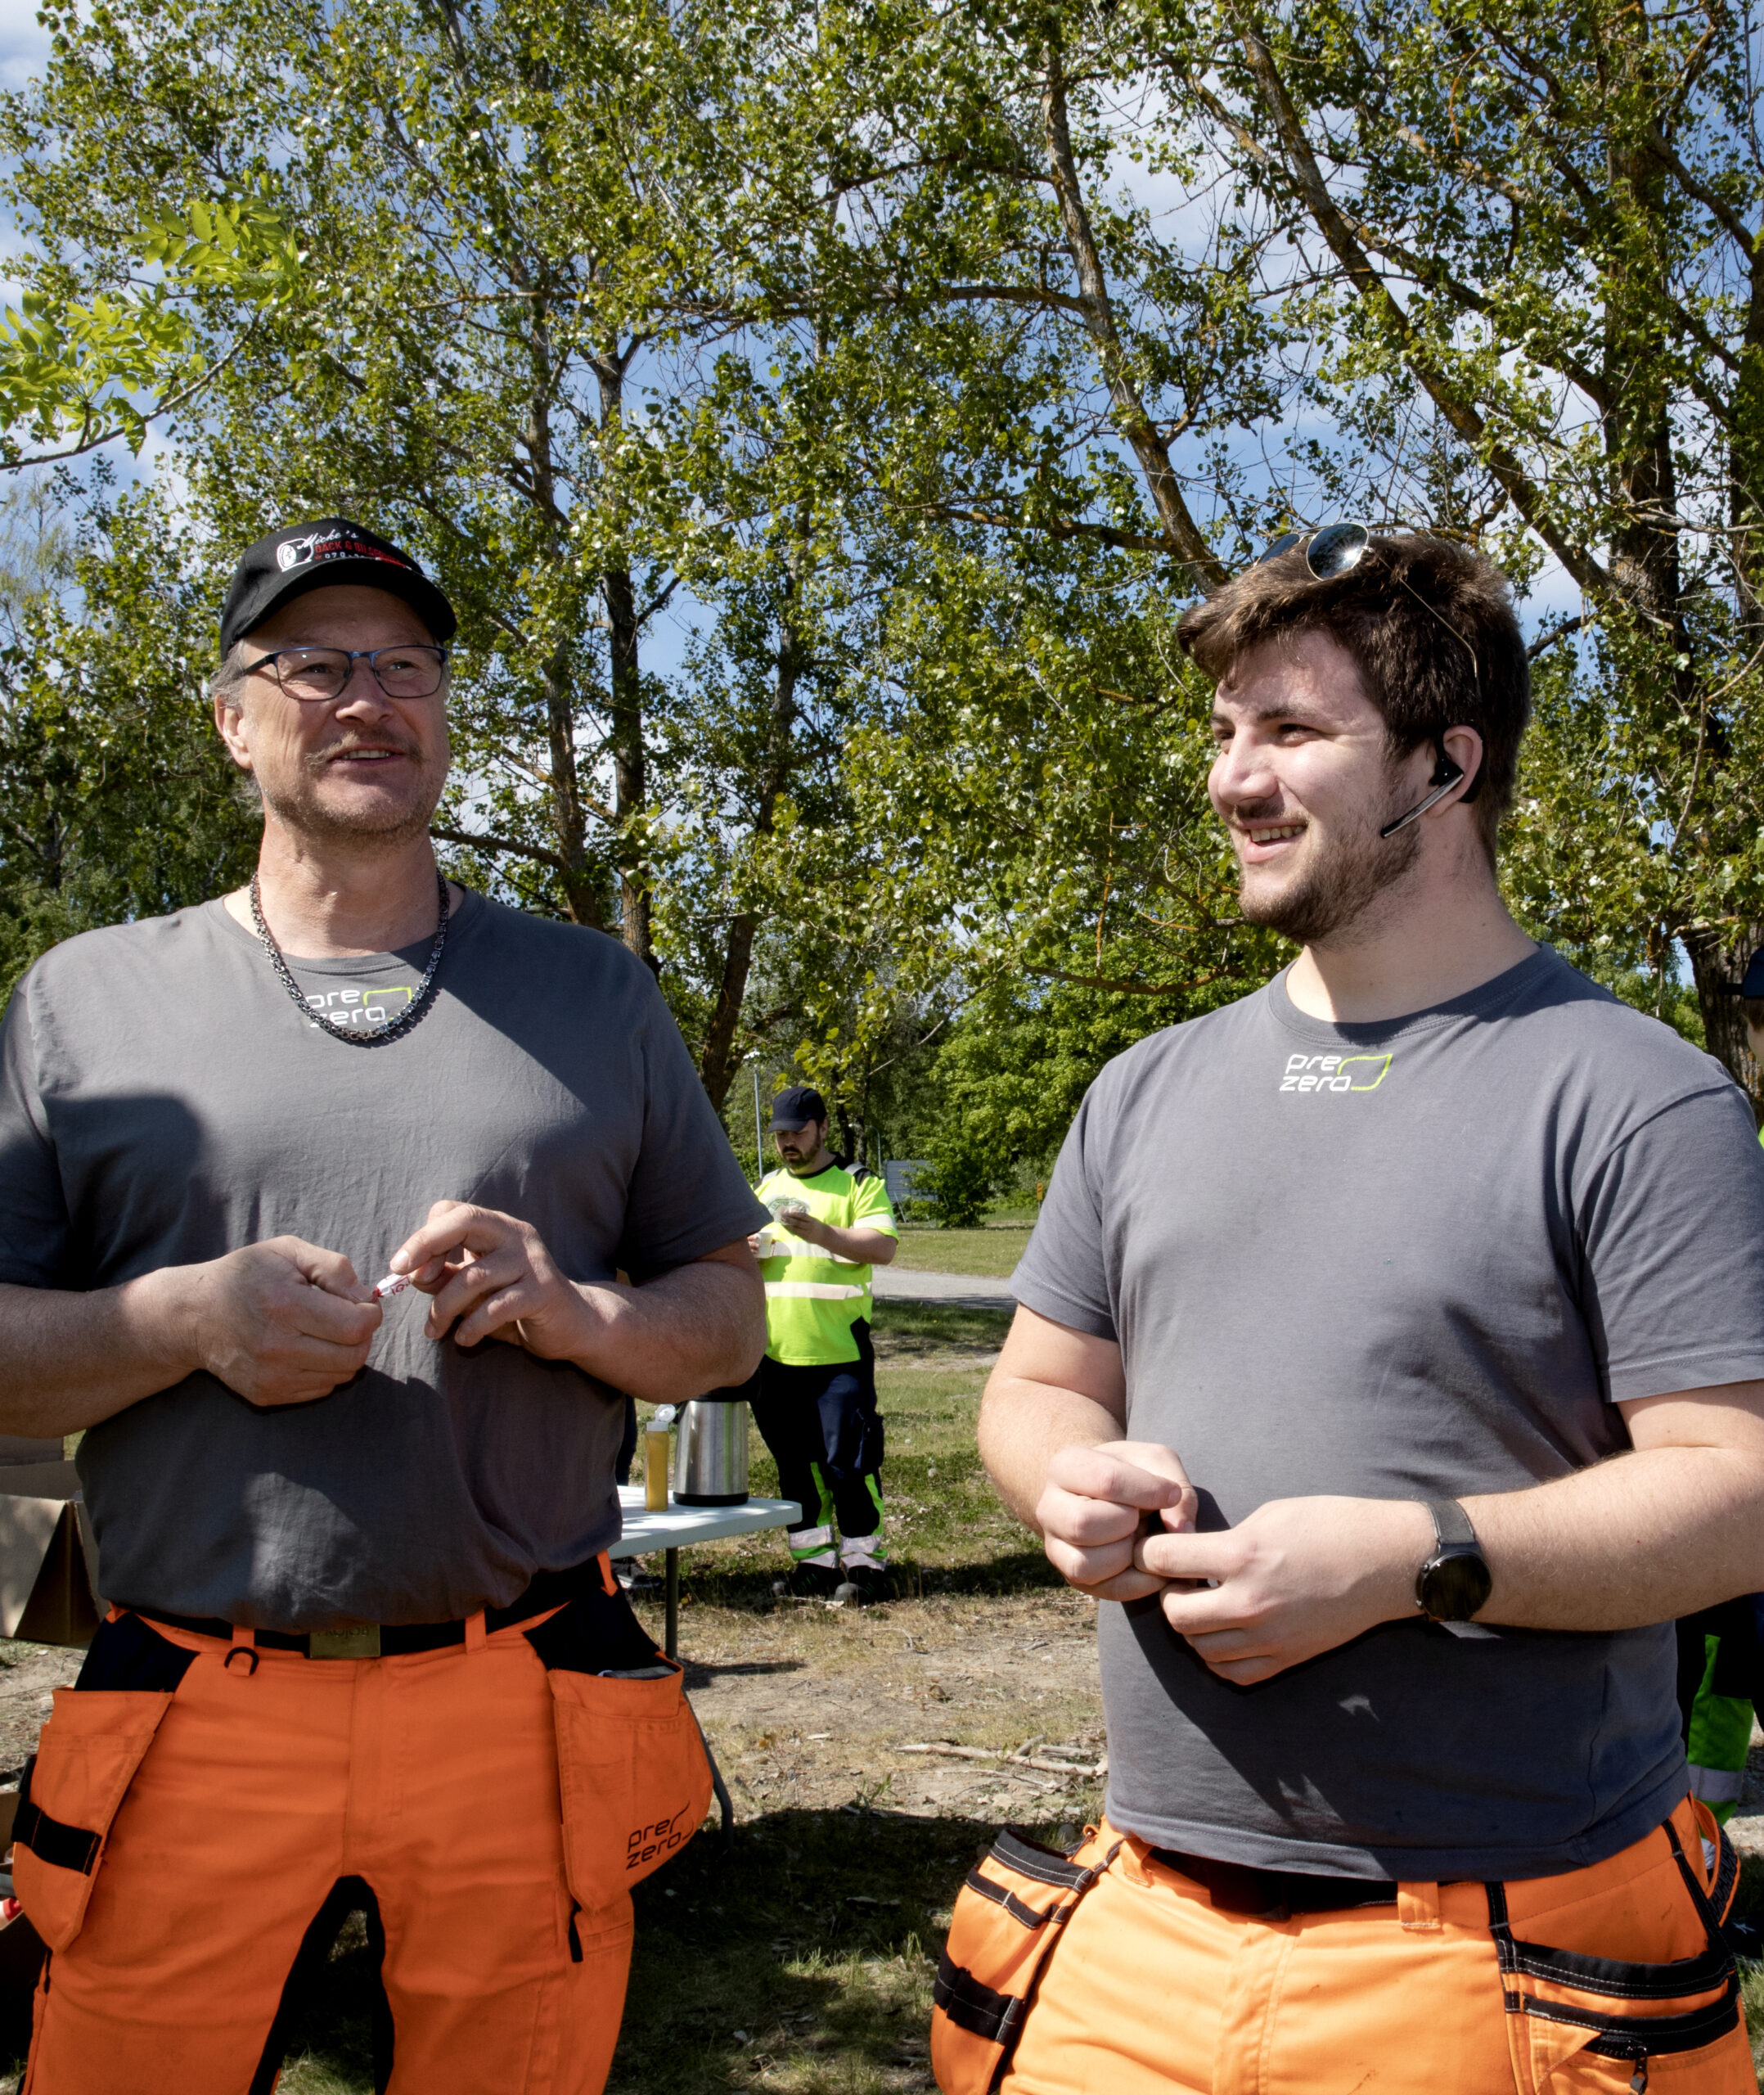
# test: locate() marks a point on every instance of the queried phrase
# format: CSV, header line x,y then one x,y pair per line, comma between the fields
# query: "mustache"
x,y
317,758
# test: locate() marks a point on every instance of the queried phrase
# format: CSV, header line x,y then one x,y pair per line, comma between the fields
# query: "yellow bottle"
x,y
656,1447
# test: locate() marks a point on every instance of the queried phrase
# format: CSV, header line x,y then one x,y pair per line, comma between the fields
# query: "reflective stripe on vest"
x,y
1716,1785
813,1290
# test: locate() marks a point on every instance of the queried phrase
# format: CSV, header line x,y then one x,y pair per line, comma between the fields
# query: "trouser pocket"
x,y
1580,2025
1007,1917
80,1772
632,1767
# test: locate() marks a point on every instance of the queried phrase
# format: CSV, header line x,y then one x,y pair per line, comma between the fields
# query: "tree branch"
x,y
1302,169
545,858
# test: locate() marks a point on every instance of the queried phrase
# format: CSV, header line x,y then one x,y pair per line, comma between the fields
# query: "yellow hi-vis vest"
x,y
812,1299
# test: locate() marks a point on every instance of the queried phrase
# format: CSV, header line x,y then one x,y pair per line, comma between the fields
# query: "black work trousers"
x,y
825,1432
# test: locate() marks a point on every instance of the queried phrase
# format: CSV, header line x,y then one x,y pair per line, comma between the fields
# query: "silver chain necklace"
x,y
374,1036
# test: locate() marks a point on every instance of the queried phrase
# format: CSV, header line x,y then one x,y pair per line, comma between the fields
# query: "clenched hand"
x,y
1094,1508
280,1322
492,1277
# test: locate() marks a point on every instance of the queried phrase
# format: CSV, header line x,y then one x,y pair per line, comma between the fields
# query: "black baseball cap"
x,y
1752,983
287,563
796,1107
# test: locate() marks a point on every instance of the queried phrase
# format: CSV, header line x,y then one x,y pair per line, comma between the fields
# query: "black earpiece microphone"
x,y
1447,773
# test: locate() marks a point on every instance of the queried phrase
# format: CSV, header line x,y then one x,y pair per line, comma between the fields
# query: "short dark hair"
x,y
1752,1011
1410,613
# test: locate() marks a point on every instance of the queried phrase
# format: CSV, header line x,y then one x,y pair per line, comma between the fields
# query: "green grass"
x,y
904,1330
946,1531
994,1252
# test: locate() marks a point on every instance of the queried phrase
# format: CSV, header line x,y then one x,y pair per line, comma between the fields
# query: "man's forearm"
x,y
700,1326
1643,1538
68,1360
1023,1425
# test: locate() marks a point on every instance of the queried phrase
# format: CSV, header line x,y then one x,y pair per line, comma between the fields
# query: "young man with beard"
x,y
814,1395
360,1617
1390,1367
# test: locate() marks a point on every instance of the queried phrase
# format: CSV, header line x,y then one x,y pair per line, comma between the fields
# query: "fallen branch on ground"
x,y
1011,1759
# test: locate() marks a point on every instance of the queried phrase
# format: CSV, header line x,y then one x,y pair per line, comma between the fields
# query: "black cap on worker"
x,y
1752,983
796,1107
287,563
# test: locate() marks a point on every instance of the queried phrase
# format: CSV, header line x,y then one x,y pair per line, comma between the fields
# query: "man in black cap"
x,y
814,1397
362,1620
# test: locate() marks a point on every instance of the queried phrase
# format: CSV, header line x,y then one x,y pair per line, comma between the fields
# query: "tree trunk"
x,y
630,765
581,890
717,1063
1718,958
630,757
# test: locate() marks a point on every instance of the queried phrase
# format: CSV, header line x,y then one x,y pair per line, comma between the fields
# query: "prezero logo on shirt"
x,y
343,1008
1334,1072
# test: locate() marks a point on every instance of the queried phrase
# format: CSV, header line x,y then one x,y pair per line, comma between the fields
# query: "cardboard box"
x,y
48,1559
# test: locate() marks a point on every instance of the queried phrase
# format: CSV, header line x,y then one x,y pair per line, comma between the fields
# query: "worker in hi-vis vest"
x,y
814,1397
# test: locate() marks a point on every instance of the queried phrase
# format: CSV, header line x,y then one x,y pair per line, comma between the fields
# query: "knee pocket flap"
x,y
634,1776
84,1763
1006,1919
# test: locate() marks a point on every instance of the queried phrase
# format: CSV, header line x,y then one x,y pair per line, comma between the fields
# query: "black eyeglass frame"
x,y
369,655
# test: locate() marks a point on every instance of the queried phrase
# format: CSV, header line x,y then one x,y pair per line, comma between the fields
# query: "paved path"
x,y
973,1291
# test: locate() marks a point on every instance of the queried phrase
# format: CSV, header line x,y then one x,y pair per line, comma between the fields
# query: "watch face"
x,y
1454,1586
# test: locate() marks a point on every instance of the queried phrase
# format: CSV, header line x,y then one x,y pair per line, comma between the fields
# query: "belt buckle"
x,y
360,1641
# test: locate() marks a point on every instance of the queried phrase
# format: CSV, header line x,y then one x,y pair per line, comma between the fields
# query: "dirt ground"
x,y
29,1674
811,1708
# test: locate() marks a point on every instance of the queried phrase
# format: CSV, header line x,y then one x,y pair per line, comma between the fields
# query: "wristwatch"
x,y
1454,1581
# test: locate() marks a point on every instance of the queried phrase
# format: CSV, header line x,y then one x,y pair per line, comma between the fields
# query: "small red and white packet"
x,y
393,1284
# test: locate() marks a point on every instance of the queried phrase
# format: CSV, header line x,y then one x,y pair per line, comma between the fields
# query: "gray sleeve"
x,y
34,1226
688,1195
1063,1275
1671,1233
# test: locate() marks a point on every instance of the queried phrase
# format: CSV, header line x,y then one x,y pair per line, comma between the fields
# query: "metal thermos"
x,y
710,1452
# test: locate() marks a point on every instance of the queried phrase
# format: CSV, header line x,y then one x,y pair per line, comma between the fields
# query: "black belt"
x,y
370,1640
1275,1893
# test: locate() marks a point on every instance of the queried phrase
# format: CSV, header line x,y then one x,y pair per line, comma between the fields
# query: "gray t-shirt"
x,y
1417,1258
161,1103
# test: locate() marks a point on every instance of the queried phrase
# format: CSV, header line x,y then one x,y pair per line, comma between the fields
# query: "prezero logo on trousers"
x,y
1334,1072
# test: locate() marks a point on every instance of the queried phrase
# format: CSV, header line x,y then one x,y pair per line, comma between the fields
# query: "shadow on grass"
x,y
750,1589
700,1672
804,1956
902,1330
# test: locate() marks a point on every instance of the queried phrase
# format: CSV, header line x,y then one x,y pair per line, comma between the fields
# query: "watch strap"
x,y
1451,1524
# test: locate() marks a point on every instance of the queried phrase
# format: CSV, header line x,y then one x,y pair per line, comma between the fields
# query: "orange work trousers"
x,y
267,1777
1148,1990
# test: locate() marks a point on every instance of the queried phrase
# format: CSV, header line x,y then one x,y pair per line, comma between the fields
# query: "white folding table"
x,y
681,1526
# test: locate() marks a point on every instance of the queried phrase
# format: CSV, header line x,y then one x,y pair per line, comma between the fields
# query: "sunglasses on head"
x,y
1337,549
1331,551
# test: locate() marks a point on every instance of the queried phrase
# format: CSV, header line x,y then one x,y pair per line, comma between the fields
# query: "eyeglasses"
x,y
1338,549
319,676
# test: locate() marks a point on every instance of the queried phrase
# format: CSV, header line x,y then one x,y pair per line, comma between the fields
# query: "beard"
x,y
296,802
1333,894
